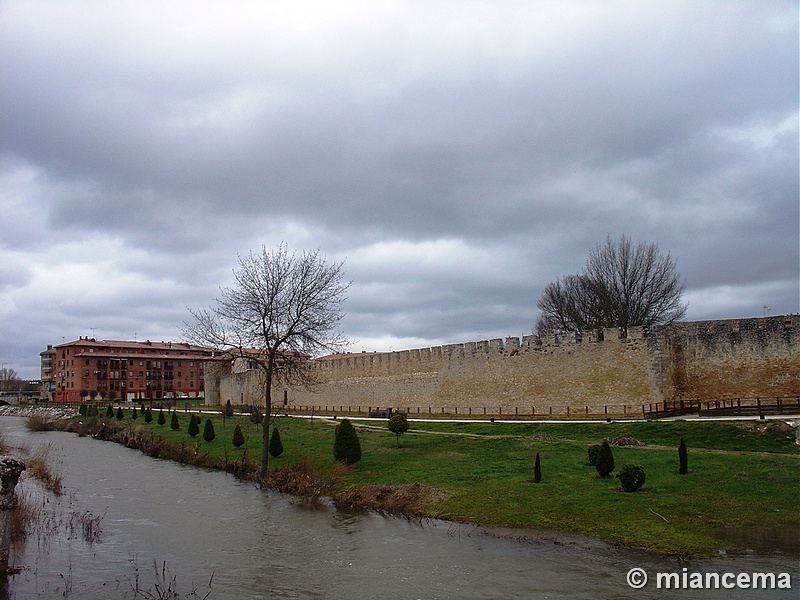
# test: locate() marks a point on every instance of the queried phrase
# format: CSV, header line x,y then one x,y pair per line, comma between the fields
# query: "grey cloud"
x,y
523,135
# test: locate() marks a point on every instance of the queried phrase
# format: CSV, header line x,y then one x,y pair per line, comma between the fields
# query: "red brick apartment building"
x,y
122,370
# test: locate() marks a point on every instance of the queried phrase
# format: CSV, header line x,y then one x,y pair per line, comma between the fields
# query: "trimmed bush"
x,y
120,414
275,444
83,409
194,426
398,425
238,436
174,424
109,411
683,458
593,450
161,418
631,477
346,447
208,431
148,415
537,470
134,414
605,460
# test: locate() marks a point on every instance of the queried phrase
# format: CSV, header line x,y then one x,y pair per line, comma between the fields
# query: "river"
x,y
203,526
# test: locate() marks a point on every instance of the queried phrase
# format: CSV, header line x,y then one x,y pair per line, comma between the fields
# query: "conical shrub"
x,y
194,426
109,411
134,414
683,458
537,470
238,436
208,431
120,414
275,444
346,447
161,418
174,423
605,460
148,415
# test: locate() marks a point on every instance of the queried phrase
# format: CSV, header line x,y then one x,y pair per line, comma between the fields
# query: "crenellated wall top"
x,y
509,346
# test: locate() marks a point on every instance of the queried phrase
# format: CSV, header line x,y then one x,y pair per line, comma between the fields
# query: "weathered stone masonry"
x,y
706,360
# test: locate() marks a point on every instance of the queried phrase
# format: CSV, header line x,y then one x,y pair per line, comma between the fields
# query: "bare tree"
x,y
622,286
568,305
282,309
9,380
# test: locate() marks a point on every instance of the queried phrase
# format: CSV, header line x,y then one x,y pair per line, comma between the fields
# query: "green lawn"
x,y
740,473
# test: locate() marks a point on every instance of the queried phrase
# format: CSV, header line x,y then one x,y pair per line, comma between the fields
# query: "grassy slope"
x,y
739,474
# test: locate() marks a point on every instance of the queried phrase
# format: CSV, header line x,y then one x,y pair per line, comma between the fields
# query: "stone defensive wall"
x,y
705,360
735,358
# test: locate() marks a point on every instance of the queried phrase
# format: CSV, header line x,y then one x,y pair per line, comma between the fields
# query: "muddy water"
x,y
257,544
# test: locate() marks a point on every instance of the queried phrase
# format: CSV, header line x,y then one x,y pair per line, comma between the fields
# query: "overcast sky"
x,y
458,155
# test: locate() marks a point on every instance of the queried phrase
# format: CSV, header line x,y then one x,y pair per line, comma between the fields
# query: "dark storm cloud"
x,y
459,156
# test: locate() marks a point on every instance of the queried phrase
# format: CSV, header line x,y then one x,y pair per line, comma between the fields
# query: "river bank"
x,y
222,538
480,474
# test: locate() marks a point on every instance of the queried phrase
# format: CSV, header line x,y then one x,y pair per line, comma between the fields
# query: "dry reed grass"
x,y
406,500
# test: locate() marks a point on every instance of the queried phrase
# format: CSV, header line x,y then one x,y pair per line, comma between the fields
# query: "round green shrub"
x,y
631,477
398,425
